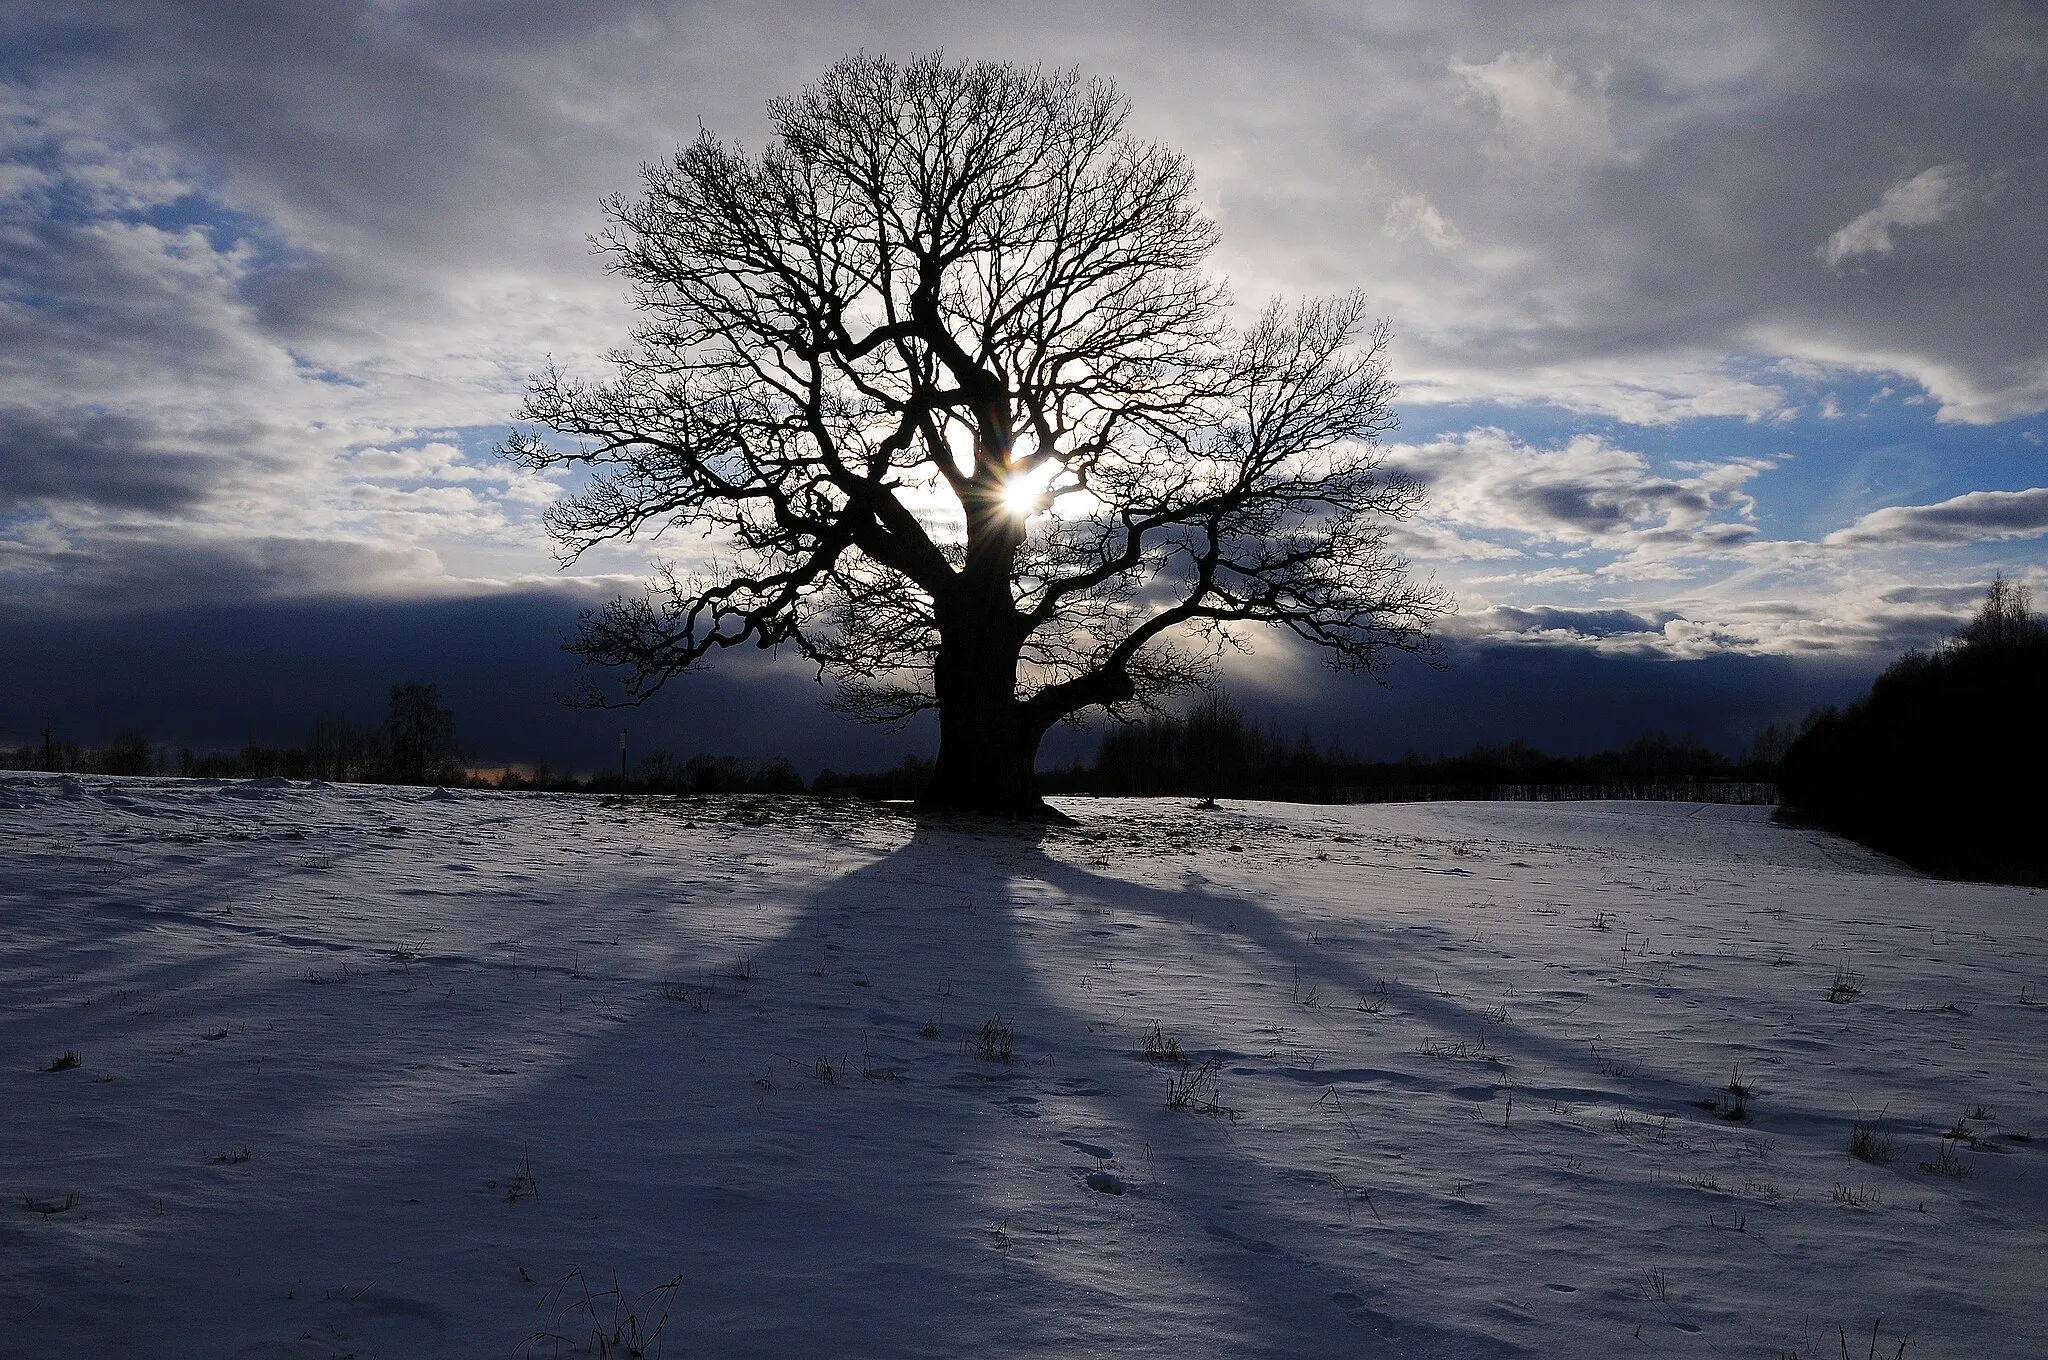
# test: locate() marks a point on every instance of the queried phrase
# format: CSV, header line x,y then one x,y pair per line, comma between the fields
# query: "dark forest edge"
x,y
1942,763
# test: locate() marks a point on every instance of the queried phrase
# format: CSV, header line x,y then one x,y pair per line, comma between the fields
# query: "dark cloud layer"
x,y
219,676
128,575
95,458
215,677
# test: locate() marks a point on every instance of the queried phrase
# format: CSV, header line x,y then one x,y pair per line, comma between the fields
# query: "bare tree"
x,y
2005,619
419,735
939,377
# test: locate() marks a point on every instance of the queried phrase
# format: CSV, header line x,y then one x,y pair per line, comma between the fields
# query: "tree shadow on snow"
x,y
770,1121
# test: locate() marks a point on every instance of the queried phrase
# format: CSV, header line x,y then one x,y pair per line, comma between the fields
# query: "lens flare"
x,y
1022,489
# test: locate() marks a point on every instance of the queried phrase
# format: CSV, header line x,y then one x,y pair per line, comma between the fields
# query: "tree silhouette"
x,y
419,733
2005,619
938,376
1941,763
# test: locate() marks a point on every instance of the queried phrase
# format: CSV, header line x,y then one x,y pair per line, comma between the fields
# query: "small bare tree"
x,y
419,737
2006,618
939,377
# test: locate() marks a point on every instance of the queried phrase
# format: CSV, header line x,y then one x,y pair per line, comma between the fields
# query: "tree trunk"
x,y
987,761
988,742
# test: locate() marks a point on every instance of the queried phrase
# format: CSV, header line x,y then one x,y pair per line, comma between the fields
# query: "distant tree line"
x,y
903,782
415,744
1943,763
1212,750
659,772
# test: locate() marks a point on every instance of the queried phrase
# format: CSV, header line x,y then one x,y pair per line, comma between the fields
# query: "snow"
x,y
370,1071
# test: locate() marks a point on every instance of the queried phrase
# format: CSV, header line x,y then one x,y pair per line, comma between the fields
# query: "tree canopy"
x,y
939,376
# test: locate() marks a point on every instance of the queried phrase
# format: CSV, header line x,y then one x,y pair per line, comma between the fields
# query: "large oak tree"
x,y
940,379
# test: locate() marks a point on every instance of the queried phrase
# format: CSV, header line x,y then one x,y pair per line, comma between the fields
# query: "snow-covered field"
x,y
373,1072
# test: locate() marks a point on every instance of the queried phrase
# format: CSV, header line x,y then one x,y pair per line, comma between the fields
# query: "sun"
x,y
1022,490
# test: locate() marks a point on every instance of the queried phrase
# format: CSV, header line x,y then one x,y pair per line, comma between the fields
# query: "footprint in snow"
x,y
1104,1182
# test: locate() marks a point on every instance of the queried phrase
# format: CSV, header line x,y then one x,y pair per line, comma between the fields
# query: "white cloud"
x,y
1836,612
1547,116
1934,195
1966,395
1588,491
1642,389
1414,215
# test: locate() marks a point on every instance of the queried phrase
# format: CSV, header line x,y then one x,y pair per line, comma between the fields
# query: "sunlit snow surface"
x,y
321,1029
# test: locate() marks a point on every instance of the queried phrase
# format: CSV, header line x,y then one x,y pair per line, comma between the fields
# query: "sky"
x,y
1718,331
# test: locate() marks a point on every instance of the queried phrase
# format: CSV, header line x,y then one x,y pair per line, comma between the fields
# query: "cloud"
x,y
98,458
1587,490
127,572
1854,615
1577,623
1934,195
1414,215
1975,517
1547,116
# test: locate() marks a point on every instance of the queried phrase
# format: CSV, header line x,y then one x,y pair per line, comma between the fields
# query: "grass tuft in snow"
x,y
1198,1089
697,998
1731,1102
1160,1046
931,1027
1869,1142
1460,1051
993,1042
870,1070
64,1061
523,1184
1817,1348
1846,987
48,1206
1610,1067
1947,1161
628,1329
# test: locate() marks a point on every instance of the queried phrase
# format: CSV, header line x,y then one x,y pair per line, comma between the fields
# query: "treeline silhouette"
x,y
415,744
1214,751
1942,764
659,772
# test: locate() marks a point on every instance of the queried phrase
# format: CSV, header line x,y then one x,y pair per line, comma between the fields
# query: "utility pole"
x,y
622,760
49,749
